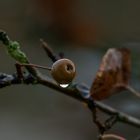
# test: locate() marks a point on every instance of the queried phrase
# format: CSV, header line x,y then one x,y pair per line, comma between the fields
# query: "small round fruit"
x,y
63,71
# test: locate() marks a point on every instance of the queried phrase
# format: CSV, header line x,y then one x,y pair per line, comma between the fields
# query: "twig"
x,y
72,92
111,136
8,80
96,120
4,37
36,66
76,91
132,90
19,71
129,88
122,117
48,51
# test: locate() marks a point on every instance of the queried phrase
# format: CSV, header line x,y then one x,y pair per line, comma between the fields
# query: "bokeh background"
x,y
83,30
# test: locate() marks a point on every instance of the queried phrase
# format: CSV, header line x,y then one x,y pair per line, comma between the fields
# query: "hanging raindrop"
x,y
64,85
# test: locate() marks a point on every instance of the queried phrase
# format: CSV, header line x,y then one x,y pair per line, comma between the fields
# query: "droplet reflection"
x,y
64,85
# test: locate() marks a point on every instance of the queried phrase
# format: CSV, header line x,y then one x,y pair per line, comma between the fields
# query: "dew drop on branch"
x,y
64,85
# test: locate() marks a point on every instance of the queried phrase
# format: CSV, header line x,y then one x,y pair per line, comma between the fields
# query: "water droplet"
x,y
64,85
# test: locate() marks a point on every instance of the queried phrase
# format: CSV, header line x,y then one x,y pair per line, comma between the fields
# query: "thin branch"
x,y
122,117
36,66
4,37
111,136
77,91
96,120
128,88
48,51
8,80
132,90
70,91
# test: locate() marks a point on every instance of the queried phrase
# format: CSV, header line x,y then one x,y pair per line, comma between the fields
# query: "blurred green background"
x,y
83,30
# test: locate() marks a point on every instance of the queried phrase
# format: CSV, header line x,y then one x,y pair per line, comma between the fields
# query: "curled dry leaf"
x,y
113,74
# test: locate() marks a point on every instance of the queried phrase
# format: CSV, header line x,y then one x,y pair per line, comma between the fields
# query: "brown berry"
x,y
63,71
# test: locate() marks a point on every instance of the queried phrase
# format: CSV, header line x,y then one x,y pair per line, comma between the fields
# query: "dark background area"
x,y
83,30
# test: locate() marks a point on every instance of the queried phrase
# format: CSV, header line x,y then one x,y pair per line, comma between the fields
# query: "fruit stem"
x,y
37,66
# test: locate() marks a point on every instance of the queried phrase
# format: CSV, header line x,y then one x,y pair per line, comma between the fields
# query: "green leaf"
x,y
15,52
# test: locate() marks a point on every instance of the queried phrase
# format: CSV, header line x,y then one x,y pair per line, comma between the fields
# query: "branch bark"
x,y
78,91
72,91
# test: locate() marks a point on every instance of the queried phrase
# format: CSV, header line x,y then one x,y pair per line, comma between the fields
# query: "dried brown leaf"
x,y
113,73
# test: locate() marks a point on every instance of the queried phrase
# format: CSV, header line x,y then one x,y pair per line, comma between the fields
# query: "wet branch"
x,y
78,91
73,91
